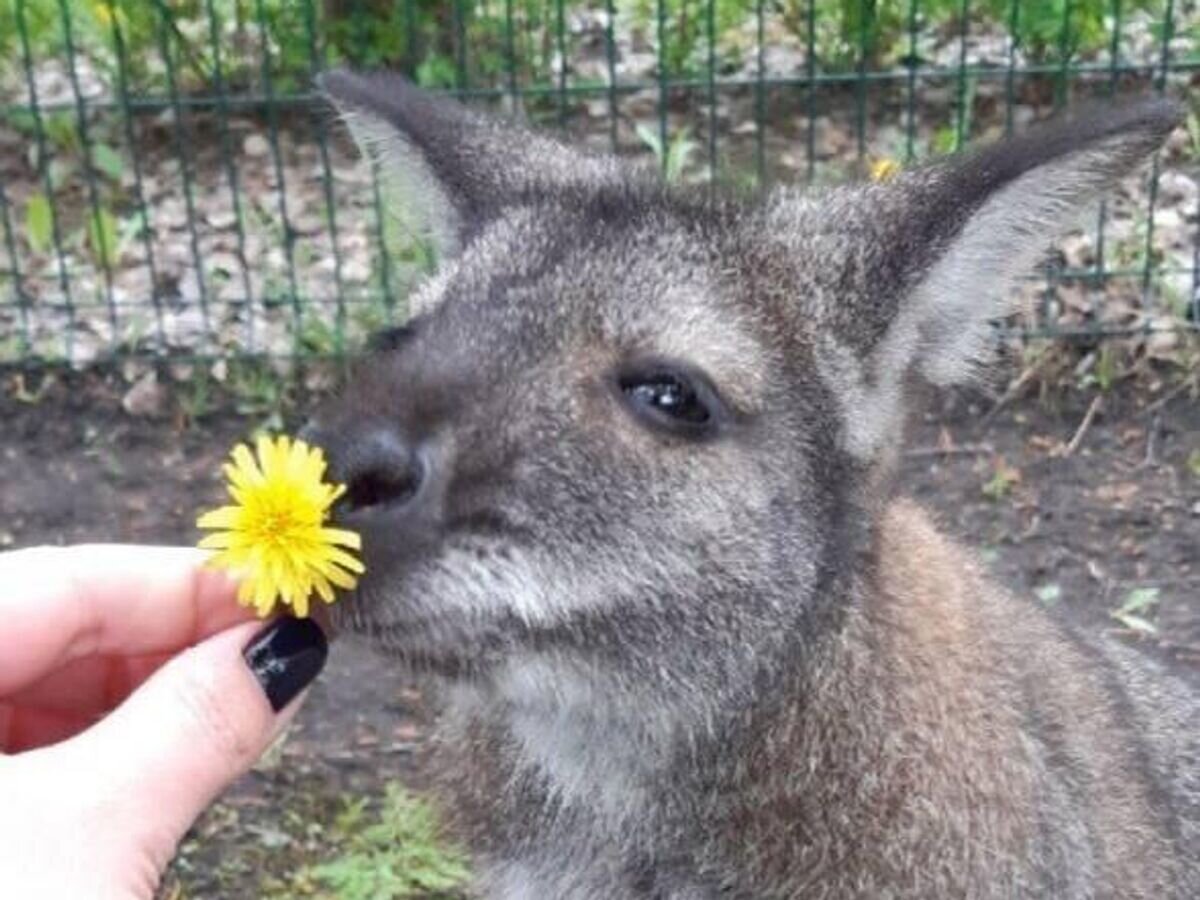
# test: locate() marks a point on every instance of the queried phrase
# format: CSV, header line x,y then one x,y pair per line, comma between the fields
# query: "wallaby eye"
x,y
670,395
670,399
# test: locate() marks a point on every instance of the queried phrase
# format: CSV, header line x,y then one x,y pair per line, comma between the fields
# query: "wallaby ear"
x,y
954,237
984,220
451,169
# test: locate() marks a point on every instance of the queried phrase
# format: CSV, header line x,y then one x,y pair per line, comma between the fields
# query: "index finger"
x,y
58,604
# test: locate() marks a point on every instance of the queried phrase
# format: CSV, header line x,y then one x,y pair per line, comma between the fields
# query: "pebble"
x,y
146,399
255,145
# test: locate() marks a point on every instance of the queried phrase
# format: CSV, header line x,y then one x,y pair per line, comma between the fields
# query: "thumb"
x,y
198,723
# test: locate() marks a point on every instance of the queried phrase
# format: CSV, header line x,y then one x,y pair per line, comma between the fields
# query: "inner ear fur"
x,y
450,167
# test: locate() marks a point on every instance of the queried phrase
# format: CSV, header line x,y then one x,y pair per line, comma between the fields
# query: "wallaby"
x,y
626,481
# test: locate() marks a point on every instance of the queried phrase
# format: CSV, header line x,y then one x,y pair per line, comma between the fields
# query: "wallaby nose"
x,y
376,464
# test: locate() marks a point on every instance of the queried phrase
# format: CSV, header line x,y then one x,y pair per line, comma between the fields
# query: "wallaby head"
x,y
626,479
637,434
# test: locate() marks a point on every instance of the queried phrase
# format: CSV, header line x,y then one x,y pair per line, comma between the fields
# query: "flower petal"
x,y
341,536
245,466
222,540
344,580
343,559
223,517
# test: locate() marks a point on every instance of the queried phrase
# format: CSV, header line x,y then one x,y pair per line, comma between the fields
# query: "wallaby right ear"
x,y
943,245
452,169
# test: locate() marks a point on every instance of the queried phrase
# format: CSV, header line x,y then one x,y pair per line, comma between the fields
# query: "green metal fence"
x,y
170,187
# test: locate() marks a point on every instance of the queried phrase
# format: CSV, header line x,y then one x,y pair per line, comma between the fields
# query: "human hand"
x,y
133,689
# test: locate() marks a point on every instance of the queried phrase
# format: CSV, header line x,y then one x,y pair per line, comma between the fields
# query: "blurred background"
x,y
170,186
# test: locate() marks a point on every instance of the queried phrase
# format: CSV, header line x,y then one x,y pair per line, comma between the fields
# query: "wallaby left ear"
x,y
949,242
451,168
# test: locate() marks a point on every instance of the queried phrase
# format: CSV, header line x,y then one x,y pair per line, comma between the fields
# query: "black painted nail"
x,y
285,657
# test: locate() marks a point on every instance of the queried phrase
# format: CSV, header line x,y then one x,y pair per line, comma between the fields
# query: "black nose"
x,y
376,464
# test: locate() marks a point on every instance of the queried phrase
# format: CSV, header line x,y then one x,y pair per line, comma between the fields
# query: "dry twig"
x,y
1151,458
1077,438
1153,408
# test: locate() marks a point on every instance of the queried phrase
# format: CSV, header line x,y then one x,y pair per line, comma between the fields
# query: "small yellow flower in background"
x,y
884,169
274,537
106,14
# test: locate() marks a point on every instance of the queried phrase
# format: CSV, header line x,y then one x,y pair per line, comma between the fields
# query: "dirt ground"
x,y
1093,518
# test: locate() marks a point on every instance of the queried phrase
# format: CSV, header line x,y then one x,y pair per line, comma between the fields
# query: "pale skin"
x,y
125,709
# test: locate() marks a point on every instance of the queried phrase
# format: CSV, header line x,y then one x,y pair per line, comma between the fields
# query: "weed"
x,y
12,348
1129,251
674,158
1002,481
39,222
1139,603
396,853
259,391
1193,463
196,398
318,338
1192,151
32,394
1104,370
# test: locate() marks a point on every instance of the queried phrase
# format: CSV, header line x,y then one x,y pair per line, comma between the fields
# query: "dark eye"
x,y
671,399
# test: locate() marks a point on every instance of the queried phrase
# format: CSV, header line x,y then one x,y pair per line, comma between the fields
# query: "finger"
x,y
194,726
70,700
29,727
60,604
94,684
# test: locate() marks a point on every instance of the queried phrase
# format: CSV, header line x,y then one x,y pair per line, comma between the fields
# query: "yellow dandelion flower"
x,y
884,169
274,537
104,13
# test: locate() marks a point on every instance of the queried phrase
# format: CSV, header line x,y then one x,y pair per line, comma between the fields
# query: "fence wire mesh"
x,y
170,185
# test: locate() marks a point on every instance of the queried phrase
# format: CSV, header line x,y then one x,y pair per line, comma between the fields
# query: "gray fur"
x,y
736,665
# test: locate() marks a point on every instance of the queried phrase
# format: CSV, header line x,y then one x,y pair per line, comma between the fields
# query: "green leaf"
x,y
39,222
944,140
1132,612
436,71
104,238
1135,623
108,161
679,153
23,120
1004,478
133,226
60,171
651,138
673,158
62,130
1140,600
1193,463
1193,128
1049,594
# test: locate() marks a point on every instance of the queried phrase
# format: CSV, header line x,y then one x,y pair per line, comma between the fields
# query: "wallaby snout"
x,y
379,466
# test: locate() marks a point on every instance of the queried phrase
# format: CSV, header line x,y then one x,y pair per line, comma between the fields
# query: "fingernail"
x,y
285,657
